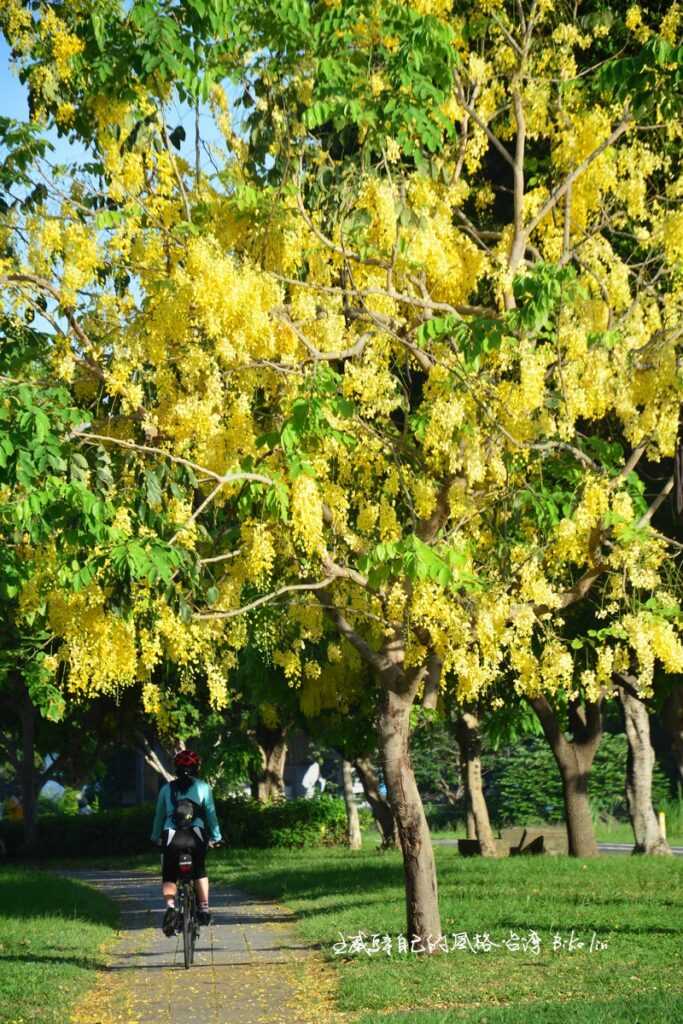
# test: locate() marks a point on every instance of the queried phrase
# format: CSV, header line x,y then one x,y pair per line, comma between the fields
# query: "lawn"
x,y
51,934
632,905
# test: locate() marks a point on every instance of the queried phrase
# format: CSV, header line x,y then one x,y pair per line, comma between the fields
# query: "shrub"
x,y
442,817
525,784
126,831
318,822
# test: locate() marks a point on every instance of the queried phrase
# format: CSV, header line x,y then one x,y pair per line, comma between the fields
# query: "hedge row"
x,y
244,823
524,785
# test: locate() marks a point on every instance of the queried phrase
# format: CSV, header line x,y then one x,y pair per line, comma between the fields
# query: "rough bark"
x,y
353,835
379,805
640,762
430,697
422,904
399,689
268,782
469,741
672,720
470,823
574,759
28,773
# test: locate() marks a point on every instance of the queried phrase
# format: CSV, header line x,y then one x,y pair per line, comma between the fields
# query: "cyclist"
x,y
185,819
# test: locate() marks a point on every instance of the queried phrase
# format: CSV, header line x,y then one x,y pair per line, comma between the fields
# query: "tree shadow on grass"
x,y
312,883
85,963
26,894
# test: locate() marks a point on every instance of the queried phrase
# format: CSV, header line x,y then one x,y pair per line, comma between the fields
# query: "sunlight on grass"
x,y
633,905
51,934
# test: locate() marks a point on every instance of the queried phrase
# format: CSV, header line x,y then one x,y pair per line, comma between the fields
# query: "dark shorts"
x,y
182,841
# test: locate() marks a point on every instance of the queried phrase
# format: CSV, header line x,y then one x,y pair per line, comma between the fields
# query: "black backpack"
x,y
184,809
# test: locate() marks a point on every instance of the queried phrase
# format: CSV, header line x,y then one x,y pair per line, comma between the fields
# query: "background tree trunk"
x,y
418,856
353,824
640,762
379,805
268,782
28,774
156,759
672,720
574,759
469,740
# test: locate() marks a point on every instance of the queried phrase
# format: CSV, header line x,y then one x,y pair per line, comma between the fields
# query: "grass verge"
x,y
52,931
633,905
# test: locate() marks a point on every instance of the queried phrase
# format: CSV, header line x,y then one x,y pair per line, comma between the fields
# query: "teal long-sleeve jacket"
x,y
200,792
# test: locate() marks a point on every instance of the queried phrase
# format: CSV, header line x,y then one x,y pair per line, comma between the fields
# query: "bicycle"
x,y
187,907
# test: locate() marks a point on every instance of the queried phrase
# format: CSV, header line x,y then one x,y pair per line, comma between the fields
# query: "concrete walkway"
x,y
246,966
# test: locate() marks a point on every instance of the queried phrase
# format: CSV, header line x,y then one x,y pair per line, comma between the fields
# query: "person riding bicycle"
x,y
185,819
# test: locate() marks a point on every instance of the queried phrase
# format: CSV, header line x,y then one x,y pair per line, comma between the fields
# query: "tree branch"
x,y
469,109
336,571
266,599
559,192
549,723
659,500
367,261
47,286
346,630
222,478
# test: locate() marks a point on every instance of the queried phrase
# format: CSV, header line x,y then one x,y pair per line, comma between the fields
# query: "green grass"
x,y
51,931
633,904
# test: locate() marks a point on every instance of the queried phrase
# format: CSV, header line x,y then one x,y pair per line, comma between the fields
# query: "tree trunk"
x,y
268,782
430,697
353,824
381,810
640,762
28,773
418,856
580,832
157,761
467,733
574,759
672,720
399,688
471,824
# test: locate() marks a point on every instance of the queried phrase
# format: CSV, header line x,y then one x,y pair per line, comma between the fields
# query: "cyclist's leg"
x,y
169,888
201,882
201,887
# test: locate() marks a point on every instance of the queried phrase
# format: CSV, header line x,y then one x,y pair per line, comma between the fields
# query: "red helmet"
x,y
187,761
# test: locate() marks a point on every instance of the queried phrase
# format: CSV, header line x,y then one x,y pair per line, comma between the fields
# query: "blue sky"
x,y
12,93
13,103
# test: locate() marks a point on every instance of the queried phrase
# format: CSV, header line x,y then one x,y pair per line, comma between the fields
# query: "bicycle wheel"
x,y
188,928
193,924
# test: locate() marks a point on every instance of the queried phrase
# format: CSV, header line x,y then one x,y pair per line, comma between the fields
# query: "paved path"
x,y
245,970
